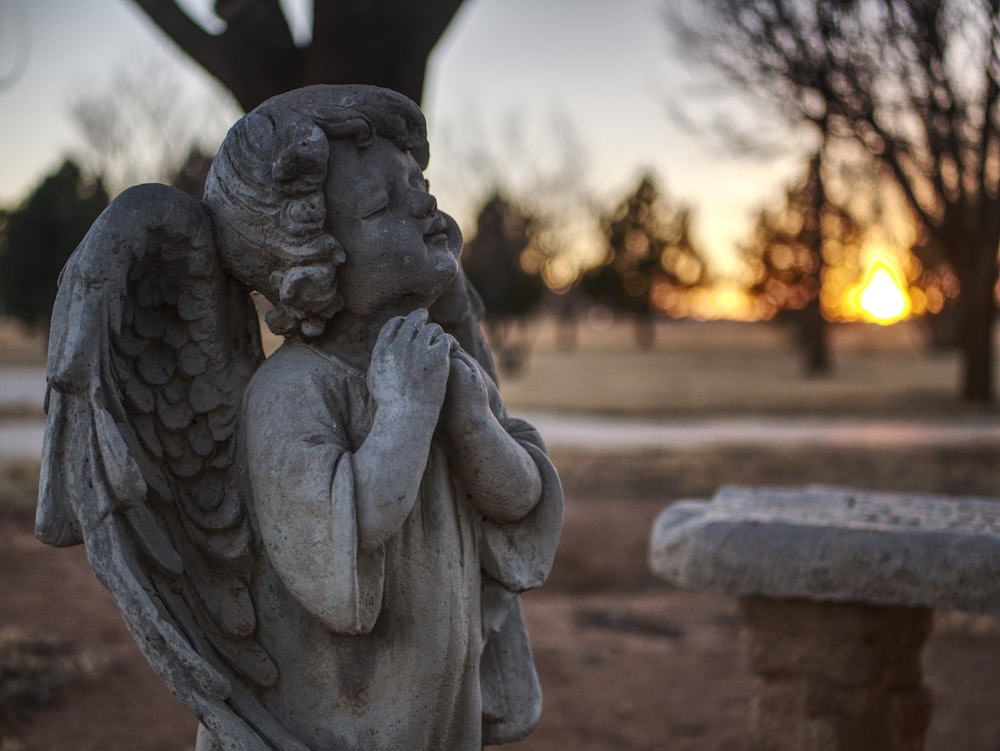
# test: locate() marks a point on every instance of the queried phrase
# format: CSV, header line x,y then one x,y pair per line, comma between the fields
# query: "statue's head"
x,y
277,178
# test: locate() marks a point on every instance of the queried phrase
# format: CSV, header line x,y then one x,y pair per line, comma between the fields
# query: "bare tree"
x,y
540,165
142,125
381,42
15,36
917,84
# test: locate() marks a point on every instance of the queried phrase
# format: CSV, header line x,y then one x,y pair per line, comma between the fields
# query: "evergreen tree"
x,y
650,256
40,235
786,253
493,261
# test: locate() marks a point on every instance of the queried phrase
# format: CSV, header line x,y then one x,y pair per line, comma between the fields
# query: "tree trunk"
x,y
645,331
815,343
977,279
380,42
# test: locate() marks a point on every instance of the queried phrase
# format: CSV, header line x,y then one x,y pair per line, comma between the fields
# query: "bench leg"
x,y
836,676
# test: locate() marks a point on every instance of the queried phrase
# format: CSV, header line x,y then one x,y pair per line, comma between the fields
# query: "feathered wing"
x,y
152,345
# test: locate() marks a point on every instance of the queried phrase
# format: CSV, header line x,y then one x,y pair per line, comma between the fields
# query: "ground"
x,y
626,662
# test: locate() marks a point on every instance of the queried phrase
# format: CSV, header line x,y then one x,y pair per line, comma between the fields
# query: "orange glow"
x,y
721,301
882,296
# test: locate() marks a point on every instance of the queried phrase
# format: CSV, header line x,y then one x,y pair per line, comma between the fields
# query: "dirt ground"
x,y
626,662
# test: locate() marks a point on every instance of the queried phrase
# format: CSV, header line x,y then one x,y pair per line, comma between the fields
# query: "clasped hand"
x,y
423,380
417,366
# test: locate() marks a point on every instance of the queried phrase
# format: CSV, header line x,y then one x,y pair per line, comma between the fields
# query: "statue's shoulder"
x,y
298,372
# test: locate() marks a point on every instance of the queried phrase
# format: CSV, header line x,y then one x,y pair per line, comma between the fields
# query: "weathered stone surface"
x,y
835,544
837,677
323,550
863,644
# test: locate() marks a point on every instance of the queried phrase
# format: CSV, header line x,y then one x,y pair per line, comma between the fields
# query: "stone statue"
x,y
322,550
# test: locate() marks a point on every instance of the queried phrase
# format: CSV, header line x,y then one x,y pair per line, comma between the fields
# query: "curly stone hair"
x,y
266,193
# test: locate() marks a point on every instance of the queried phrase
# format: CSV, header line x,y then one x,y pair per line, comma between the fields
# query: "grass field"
x,y
731,368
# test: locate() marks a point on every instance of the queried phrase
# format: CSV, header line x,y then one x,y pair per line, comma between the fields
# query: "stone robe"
x,y
418,644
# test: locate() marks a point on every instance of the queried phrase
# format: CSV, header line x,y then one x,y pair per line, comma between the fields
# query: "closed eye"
x,y
377,212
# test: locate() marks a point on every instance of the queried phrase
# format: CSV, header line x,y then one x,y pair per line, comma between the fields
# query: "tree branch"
x,y
382,42
215,54
261,26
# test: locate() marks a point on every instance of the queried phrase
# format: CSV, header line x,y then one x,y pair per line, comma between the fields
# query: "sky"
x,y
524,81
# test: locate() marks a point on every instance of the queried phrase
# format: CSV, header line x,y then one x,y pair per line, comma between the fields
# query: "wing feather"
x,y
151,348
123,476
153,542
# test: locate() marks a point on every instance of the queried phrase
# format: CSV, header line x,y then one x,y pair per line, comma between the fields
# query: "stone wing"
x,y
151,348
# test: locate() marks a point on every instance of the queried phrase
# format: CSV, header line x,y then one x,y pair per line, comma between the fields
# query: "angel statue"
x,y
322,550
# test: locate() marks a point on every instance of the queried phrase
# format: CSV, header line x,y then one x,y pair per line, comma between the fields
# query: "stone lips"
x,y
835,544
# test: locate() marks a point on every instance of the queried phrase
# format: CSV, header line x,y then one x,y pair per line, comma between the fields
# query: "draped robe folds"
x,y
418,644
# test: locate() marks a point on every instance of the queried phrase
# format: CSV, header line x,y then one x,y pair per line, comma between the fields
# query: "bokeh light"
x,y
882,296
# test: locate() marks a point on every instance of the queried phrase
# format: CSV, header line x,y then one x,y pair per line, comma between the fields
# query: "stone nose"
x,y
423,203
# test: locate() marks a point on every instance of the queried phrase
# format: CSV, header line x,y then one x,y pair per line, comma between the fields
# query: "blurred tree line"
x,y
910,84
383,42
914,85
494,260
37,237
650,257
786,254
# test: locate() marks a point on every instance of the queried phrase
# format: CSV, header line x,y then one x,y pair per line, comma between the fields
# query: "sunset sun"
x,y
881,296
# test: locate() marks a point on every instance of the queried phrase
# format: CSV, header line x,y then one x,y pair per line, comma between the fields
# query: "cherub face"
x,y
401,251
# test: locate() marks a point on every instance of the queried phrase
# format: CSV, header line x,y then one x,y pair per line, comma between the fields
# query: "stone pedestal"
x,y
836,677
836,589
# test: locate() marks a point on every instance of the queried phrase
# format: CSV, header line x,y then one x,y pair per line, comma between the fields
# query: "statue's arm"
x,y
388,468
519,554
323,507
303,484
407,380
506,474
499,475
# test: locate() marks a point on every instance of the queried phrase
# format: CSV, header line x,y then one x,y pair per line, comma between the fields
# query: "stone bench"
x,y
836,590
